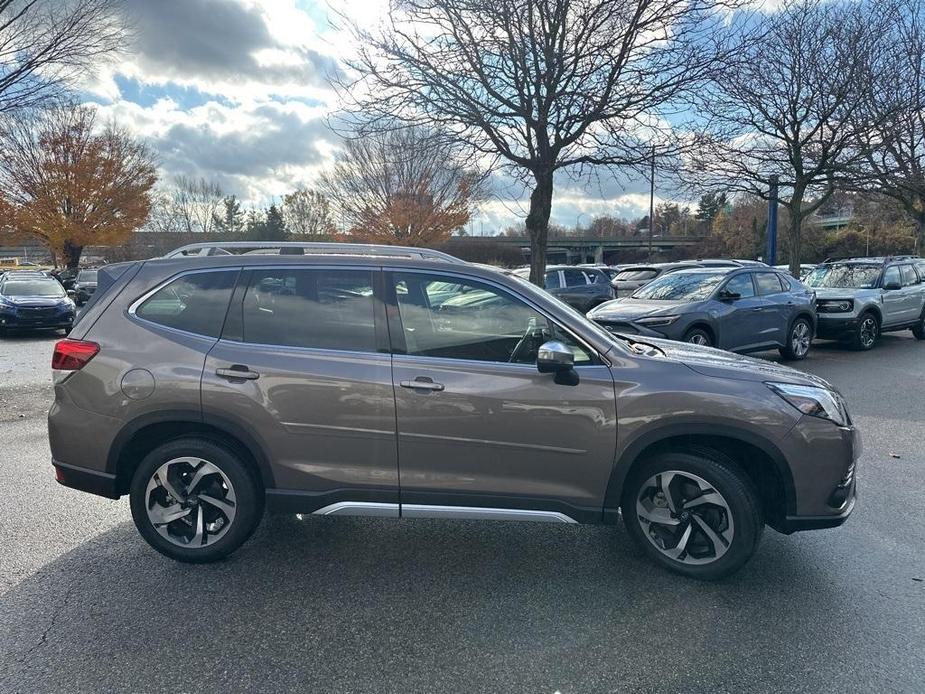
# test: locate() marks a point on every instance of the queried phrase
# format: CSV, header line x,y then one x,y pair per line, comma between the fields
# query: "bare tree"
x,y
541,85
195,203
307,212
47,45
69,184
891,130
402,186
788,107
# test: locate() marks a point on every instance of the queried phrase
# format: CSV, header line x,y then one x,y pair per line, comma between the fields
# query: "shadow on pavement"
x,y
379,605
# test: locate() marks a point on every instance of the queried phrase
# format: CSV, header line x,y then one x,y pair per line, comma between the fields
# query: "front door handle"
x,y
757,308
422,383
238,371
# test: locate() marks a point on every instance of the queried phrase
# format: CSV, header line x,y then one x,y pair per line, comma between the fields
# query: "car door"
x,y
894,301
478,425
743,321
911,293
776,310
303,366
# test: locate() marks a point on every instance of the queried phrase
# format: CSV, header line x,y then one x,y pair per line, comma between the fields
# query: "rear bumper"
x,y
92,481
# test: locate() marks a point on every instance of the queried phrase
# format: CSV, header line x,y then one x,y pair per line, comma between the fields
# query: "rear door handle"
x,y
238,371
758,308
422,383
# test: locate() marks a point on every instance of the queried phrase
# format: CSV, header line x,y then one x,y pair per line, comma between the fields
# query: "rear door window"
x,y
195,303
909,276
768,283
311,308
575,278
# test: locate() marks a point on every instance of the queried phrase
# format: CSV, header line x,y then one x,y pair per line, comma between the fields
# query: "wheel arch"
x,y
701,324
757,457
144,433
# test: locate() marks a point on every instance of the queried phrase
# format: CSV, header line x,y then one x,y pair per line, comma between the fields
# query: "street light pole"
x,y
651,200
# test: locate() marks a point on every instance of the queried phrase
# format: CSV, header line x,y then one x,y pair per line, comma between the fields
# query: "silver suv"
x,y
857,299
404,383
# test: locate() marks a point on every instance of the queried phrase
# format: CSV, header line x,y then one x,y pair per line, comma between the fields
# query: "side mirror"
x,y
729,296
554,357
892,286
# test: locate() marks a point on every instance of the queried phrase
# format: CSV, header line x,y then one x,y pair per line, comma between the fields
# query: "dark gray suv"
x,y
404,383
739,309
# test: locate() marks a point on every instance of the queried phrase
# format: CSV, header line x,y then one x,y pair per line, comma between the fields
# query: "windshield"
x,y
636,275
681,286
87,276
850,276
37,287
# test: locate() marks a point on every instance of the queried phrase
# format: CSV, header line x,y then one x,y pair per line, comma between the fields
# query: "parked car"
x,y
580,288
741,309
860,298
209,387
34,300
610,270
805,269
66,276
635,276
84,286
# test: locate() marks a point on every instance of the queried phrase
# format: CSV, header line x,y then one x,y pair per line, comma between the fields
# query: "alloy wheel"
x,y
190,502
868,332
685,517
699,339
800,339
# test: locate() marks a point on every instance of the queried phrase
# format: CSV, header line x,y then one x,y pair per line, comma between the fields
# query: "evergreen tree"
x,y
231,219
275,227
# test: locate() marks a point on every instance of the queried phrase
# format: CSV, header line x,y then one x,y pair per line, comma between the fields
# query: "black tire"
x,y
699,336
795,349
919,329
248,504
862,340
723,477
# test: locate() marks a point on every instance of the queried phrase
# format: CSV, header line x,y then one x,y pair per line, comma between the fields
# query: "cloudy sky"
x,y
236,91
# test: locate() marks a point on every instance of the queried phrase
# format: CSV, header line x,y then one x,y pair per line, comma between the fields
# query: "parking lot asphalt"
x,y
364,605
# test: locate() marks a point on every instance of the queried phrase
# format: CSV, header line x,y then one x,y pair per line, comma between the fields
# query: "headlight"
x,y
834,305
813,401
653,321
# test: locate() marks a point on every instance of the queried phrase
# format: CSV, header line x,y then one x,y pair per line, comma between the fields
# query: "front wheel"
x,y
692,514
866,333
799,340
194,500
698,336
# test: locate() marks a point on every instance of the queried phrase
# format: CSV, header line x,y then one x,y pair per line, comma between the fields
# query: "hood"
x,y
721,364
834,293
630,309
38,301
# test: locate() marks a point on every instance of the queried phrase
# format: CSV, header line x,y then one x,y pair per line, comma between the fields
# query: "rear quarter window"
x,y
194,303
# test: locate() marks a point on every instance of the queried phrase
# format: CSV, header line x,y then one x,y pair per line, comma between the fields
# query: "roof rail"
x,y
211,248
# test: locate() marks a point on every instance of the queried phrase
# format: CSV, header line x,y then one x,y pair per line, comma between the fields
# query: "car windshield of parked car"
x,y
87,276
681,286
36,287
636,275
848,276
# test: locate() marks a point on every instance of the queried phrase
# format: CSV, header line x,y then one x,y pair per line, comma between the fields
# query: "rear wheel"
x,y
799,340
919,330
866,333
194,500
693,515
698,336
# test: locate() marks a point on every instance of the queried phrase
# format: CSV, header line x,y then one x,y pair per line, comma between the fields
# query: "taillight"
x,y
73,355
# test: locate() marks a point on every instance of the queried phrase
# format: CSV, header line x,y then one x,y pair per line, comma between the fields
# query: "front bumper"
x,y
823,462
834,326
36,322
626,327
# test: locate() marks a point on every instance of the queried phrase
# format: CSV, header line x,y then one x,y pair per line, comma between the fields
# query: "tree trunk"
x,y
70,255
537,224
919,234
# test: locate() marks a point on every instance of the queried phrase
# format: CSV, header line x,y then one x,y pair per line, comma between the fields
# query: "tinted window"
x,y
892,276
768,283
741,285
479,322
552,280
195,303
86,276
909,276
320,309
575,278
636,275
